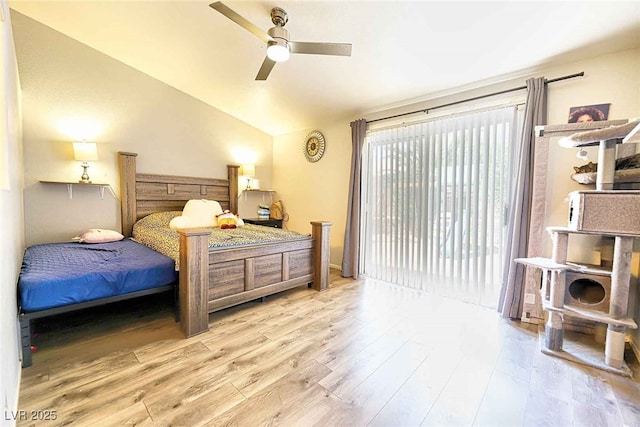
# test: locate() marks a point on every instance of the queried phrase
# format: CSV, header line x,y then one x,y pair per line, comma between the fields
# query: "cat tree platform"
x,y
582,349
606,139
620,177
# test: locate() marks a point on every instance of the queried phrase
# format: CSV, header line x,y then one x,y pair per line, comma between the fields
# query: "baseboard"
x,y
17,395
10,414
337,267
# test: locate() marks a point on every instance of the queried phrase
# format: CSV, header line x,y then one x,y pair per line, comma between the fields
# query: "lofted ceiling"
x,y
401,49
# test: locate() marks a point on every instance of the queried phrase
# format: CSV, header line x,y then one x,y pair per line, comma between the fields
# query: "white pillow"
x,y
98,235
183,222
197,213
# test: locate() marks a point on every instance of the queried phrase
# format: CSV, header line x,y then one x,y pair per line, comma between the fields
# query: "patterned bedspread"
x,y
154,232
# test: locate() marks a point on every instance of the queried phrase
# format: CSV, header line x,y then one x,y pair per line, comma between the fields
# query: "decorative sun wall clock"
x,y
314,146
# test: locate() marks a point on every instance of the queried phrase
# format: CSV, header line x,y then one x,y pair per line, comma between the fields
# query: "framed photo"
x,y
589,113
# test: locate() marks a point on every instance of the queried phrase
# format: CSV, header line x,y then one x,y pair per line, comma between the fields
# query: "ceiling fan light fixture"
x,y
278,50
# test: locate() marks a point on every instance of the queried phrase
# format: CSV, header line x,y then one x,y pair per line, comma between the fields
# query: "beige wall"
x,y
315,191
73,92
11,218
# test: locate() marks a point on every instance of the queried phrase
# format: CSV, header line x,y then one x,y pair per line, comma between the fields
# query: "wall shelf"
x,y
257,191
70,185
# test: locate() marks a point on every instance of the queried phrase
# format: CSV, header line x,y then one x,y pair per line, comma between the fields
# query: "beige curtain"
x,y
535,114
350,255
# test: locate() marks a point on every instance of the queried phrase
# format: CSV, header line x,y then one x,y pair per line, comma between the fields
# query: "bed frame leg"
x,y
320,231
25,338
194,280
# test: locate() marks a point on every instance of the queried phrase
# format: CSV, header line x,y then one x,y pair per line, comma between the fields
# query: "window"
x,y
436,199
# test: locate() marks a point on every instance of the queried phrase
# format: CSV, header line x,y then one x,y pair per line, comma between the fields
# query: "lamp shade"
x,y
248,170
85,151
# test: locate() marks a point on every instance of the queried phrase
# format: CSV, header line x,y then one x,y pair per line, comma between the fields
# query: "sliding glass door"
x,y
436,199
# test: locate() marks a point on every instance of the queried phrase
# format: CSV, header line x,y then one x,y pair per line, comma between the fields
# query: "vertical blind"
x,y
436,198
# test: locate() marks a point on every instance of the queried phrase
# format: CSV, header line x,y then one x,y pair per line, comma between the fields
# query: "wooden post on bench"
x,y
232,174
194,281
320,231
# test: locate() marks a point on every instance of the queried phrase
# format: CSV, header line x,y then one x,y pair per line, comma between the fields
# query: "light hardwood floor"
x,y
362,353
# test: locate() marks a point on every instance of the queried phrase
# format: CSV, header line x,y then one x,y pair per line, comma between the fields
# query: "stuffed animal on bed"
x,y
228,220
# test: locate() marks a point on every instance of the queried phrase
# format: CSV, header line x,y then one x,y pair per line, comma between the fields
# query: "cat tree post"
x,y
620,280
554,332
606,164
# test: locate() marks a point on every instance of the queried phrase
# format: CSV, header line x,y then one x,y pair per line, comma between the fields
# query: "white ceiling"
x,y
401,50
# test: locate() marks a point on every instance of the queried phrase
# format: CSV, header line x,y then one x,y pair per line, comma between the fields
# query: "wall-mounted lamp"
x,y
248,171
85,151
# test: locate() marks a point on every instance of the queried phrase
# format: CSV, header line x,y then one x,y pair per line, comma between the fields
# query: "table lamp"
x,y
248,171
85,151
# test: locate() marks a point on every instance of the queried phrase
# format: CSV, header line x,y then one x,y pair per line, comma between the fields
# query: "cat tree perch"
x,y
606,139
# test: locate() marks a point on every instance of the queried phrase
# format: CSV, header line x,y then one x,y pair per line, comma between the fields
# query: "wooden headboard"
x,y
143,194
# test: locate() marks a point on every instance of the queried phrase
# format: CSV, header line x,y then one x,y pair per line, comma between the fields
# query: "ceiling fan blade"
x,y
266,68
340,49
229,13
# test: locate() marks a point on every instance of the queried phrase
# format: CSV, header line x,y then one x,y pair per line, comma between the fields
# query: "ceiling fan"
x,y
277,39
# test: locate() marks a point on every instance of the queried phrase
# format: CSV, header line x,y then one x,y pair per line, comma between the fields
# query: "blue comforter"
x,y
59,274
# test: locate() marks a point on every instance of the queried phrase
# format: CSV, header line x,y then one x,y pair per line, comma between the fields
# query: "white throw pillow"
x,y
98,235
182,222
197,213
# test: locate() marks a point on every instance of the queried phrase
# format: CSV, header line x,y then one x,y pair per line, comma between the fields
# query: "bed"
x,y
62,277
212,278
57,278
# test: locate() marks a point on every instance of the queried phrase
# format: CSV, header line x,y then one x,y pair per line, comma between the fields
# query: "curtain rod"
x,y
426,110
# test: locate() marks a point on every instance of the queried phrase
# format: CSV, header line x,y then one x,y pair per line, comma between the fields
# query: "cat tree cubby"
x,y
605,213
558,306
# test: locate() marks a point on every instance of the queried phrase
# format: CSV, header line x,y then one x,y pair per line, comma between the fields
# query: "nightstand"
x,y
275,223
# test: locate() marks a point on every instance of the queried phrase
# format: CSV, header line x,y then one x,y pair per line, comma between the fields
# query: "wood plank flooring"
x,y
363,353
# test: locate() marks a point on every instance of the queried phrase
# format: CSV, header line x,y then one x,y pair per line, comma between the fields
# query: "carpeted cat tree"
x,y
603,212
